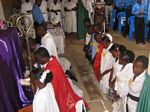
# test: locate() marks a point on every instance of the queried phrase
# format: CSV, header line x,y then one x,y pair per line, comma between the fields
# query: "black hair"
x,y
37,25
42,52
143,59
115,47
38,75
122,49
131,55
106,39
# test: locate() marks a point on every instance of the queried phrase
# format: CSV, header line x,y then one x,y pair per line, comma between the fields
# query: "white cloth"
x,y
80,106
135,90
123,80
106,63
87,38
70,18
43,9
53,16
24,8
65,63
44,100
49,44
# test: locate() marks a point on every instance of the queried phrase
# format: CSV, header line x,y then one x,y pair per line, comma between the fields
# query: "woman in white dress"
x,y
70,17
44,98
55,12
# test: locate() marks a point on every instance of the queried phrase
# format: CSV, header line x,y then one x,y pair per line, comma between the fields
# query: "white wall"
x,y
1,11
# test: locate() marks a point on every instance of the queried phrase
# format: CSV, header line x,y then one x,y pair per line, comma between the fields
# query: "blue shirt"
x,y
120,3
130,3
148,14
139,7
37,14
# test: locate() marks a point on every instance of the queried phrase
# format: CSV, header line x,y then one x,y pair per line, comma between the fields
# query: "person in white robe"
x,y
44,98
55,12
70,24
123,78
139,69
44,8
26,9
106,63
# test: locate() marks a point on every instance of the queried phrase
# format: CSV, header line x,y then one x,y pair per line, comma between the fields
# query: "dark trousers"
x,y
139,30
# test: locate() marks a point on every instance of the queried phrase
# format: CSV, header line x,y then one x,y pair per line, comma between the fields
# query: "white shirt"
x,y
123,79
44,100
43,6
49,44
26,7
135,90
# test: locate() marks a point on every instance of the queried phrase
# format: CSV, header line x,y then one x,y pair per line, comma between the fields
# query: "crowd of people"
x,y
115,68
121,77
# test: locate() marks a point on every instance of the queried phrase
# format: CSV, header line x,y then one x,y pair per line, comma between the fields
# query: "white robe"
x,y
122,83
43,8
49,43
70,18
53,16
24,8
135,90
44,100
106,63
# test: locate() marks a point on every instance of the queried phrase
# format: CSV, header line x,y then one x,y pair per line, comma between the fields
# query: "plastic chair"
x,y
131,27
112,18
146,28
121,18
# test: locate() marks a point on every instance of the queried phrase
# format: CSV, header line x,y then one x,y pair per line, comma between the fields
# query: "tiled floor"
x,y
84,73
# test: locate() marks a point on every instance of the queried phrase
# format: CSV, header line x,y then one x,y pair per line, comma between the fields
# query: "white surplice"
x,y
106,63
49,44
135,90
44,100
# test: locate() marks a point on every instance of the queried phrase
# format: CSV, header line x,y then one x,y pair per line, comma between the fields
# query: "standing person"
x,y
82,14
26,8
136,84
99,8
70,19
55,12
67,100
44,98
46,39
139,10
36,12
123,78
108,9
148,14
43,9
106,63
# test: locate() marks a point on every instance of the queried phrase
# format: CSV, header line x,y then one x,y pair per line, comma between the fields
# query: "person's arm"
x,y
135,11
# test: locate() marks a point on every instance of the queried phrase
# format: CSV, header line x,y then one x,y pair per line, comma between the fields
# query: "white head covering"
x,y
110,37
43,76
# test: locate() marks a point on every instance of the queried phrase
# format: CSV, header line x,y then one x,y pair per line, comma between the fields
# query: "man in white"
x,y
47,40
70,17
139,69
43,8
26,9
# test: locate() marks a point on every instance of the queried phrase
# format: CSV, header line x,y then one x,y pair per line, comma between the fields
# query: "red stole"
x,y
65,96
97,61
